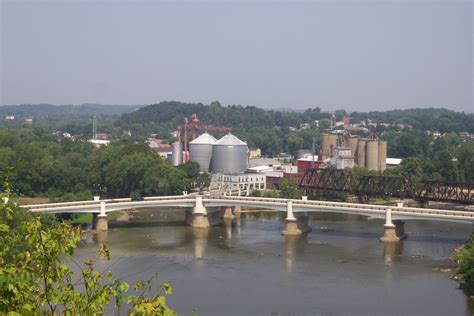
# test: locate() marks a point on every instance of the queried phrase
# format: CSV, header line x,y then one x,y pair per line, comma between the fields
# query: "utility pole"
x,y
313,150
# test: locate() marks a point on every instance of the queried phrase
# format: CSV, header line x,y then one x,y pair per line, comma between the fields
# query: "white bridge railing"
x,y
189,201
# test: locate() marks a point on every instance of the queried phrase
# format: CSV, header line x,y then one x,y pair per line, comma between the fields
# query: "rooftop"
x,y
204,139
230,140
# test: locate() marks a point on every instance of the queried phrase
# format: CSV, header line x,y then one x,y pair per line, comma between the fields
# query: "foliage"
x,y
75,170
35,279
198,179
431,119
323,195
464,256
450,162
289,189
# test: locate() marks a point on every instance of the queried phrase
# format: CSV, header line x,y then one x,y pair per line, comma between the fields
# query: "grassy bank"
x,y
86,218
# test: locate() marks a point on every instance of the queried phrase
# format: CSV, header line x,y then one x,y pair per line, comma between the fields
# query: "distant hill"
x,y
169,114
165,116
51,111
432,119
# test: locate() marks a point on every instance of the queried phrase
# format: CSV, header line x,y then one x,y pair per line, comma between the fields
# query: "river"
x,y
249,268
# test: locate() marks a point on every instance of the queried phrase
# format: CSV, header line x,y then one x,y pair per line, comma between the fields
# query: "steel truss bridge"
x,y
387,186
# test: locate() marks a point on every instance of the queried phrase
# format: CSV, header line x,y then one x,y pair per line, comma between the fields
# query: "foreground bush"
x,y
35,279
464,256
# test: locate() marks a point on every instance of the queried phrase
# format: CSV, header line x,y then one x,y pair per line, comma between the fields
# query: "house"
x,y
255,152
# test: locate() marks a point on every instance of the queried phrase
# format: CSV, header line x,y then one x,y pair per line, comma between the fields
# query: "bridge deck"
x,y
186,201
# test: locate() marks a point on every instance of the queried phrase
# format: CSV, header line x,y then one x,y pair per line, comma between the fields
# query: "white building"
x,y
393,162
99,142
9,117
343,158
245,182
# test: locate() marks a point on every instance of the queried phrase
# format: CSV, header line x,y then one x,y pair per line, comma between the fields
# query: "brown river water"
x,y
249,268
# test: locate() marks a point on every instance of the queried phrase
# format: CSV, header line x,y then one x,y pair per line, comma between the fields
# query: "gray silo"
x,y
361,153
352,143
382,155
372,155
200,150
229,155
177,153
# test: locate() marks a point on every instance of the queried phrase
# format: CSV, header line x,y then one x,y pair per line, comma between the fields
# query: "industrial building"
x,y
348,151
343,158
226,159
245,182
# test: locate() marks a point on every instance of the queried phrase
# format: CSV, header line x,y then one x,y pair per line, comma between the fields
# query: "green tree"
x,y
464,256
35,277
289,189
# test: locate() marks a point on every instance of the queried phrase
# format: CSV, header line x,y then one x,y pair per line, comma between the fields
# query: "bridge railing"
x,y
108,201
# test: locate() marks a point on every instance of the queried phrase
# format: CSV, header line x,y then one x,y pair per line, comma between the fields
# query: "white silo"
x,y
177,153
200,150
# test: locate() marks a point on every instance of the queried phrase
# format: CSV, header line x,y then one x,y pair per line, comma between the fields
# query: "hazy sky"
x,y
357,55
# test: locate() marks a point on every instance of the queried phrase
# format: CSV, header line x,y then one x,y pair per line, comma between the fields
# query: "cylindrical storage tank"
x,y
361,153
229,155
200,150
326,144
332,142
372,155
352,143
177,153
382,155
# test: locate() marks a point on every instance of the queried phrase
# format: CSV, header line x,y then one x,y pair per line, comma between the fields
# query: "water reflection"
x,y
101,237
237,222
392,252
200,237
294,247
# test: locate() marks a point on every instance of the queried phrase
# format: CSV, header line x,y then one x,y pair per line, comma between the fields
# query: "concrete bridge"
x,y
198,208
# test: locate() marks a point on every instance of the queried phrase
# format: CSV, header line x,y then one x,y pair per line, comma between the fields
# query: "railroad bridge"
x,y
387,186
198,208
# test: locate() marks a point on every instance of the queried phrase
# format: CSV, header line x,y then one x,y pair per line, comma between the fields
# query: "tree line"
x,y
74,169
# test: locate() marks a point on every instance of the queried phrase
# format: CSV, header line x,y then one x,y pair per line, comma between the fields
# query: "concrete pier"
x,y
393,230
237,210
102,223
99,221
295,224
198,218
228,213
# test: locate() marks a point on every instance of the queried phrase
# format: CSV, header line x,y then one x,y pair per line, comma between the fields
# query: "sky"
x,y
353,55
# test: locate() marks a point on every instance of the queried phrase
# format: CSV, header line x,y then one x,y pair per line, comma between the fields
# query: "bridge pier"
x,y
295,225
198,218
237,210
228,213
99,221
393,230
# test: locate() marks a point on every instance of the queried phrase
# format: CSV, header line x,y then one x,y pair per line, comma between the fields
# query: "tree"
x,y
294,143
36,279
289,189
464,256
